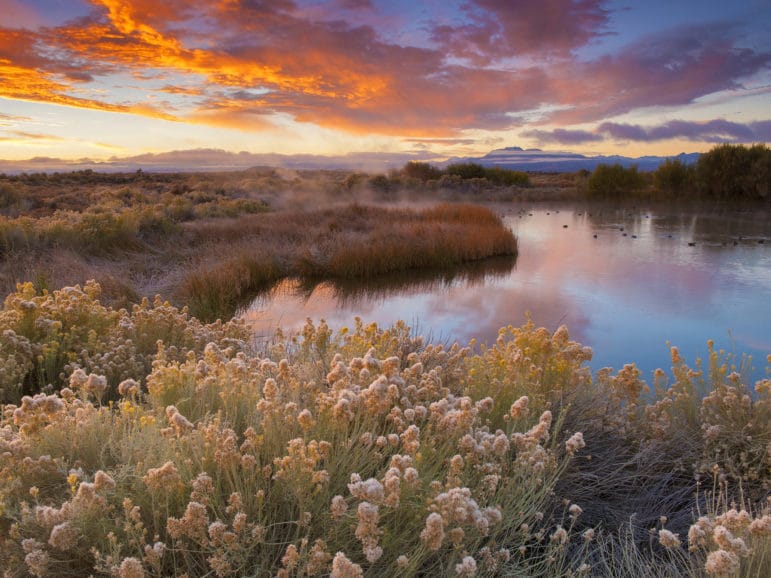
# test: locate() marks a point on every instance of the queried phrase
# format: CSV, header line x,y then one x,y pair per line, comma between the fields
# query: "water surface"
x,y
625,281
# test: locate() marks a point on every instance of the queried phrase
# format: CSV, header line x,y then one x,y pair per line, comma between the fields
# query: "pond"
x,y
626,281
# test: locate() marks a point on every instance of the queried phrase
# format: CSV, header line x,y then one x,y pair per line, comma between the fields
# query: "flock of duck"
x,y
735,241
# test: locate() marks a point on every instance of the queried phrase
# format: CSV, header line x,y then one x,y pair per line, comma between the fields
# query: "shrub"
x,y
380,184
360,451
614,181
674,177
466,170
10,196
735,171
421,171
47,336
507,177
372,452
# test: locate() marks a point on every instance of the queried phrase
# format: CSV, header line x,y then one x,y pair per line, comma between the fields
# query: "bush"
x,y
674,177
614,181
492,175
421,171
735,172
372,452
47,336
466,170
380,184
507,177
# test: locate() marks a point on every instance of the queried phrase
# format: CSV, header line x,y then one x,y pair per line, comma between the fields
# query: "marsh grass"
x,y
353,242
165,446
211,240
213,293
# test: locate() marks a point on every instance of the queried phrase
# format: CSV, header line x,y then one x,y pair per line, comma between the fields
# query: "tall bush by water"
x,y
614,181
735,172
675,178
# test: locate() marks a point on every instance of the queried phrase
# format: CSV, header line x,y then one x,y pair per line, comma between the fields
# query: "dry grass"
x,y
353,242
213,263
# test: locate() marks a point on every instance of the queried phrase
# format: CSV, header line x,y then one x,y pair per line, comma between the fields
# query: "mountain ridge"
x,y
211,159
537,160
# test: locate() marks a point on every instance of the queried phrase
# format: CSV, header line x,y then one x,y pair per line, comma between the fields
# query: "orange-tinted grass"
x,y
344,243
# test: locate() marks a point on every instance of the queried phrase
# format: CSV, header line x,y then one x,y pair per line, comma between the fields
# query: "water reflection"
x,y
624,280
349,293
439,295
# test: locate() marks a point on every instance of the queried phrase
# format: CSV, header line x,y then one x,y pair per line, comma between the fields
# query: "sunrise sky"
x,y
118,78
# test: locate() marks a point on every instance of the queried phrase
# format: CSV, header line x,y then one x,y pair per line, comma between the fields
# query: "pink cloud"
x,y
17,14
563,136
235,62
711,131
499,29
669,69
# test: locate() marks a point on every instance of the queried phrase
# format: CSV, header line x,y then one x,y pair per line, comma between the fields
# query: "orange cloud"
x,y
138,43
234,63
28,84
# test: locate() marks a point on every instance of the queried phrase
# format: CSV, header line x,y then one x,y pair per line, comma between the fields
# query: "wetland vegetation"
x,y
140,437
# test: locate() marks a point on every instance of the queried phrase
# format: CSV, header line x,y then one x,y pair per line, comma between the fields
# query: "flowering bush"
x,y
45,337
365,452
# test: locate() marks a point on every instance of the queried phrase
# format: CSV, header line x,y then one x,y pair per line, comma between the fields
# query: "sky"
x,y
110,79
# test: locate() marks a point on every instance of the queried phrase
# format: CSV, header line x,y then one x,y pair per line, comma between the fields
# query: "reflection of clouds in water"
x,y
459,312
416,298
623,296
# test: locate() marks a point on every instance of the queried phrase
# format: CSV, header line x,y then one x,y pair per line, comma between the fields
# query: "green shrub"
x,y
735,172
466,170
507,177
674,177
614,181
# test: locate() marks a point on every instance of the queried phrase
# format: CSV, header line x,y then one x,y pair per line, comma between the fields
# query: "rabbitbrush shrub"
x,y
366,452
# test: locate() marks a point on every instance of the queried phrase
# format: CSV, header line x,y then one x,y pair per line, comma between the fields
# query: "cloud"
x,y
239,63
671,68
498,29
441,141
562,136
22,136
209,159
710,131
19,15
12,119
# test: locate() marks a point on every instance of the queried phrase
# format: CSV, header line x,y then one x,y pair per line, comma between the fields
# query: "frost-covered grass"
x,y
146,443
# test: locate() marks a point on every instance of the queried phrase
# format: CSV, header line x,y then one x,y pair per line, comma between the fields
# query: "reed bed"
x,y
143,442
214,261
352,242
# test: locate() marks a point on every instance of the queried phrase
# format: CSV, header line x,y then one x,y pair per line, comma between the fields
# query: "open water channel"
x,y
627,281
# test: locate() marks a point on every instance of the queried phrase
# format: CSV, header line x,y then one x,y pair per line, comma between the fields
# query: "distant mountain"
x,y
536,160
220,160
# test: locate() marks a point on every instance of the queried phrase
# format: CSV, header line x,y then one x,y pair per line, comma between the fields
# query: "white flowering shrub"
x,y
44,337
365,452
356,453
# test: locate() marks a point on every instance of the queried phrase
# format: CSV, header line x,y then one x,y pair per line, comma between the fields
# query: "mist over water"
x,y
625,281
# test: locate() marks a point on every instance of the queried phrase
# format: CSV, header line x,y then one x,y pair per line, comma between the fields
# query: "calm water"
x,y
668,276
